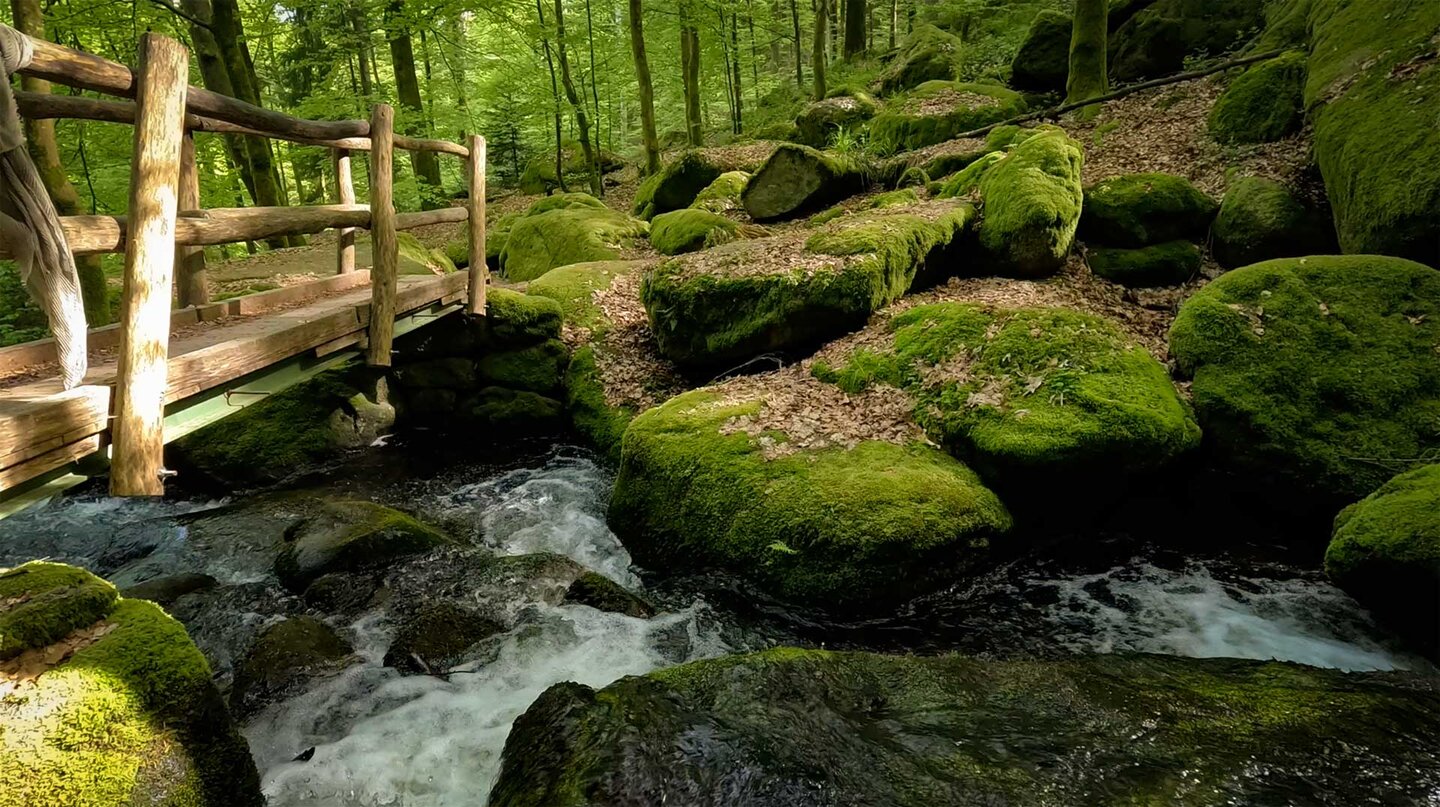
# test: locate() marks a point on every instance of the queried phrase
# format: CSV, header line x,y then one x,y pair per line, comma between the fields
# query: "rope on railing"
x,y
30,225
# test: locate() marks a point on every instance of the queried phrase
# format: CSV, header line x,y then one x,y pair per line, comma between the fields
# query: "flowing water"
x,y
371,736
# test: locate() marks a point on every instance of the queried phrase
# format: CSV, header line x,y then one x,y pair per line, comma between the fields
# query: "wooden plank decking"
x,y
43,427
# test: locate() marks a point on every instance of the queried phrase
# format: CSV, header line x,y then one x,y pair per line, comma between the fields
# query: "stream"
x,y
382,738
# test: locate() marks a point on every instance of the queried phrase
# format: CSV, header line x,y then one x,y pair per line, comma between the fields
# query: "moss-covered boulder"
x,y
283,657
105,701
454,372
690,230
292,430
1373,85
680,182
1032,206
707,479
507,411
937,111
723,195
717,308
816,728
1261,219
1167,264
346,536
603,594
515,319
819,121
1264,104
1139,210
1043,61
537,368
541,241
1313,375
798,179
434,636
1156,41
417,259
1044,402
539,175
928,54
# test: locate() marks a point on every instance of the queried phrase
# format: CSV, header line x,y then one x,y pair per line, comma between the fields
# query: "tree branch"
x,y
182,14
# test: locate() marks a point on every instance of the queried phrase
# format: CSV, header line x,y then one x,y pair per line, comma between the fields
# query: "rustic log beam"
x,y
92,235
475,184
139,427
440,215
191,287
384,247
345,188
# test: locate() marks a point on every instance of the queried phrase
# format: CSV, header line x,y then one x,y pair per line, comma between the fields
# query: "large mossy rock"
x,y
434,637
724,194
681,231
106,702
1032,206
1140,210
539,174
417,259
1313,375
283,657
798,179
290,431
928,54
810,728
1167,264
680,182
1373,85
1043,61
1156,41
845,526
821,120
1385,551
347,536
1261,219
937,111
720,307
1046,403
1264,104
547,237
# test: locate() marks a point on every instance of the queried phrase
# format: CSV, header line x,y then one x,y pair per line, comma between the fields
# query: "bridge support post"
x,y
475,225
138,454
191,288
345,238
384,244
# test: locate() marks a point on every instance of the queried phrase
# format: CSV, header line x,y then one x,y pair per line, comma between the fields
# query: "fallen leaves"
x,y
25,669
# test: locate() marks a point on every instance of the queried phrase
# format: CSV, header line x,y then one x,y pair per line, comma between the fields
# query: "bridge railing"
x,y
164,231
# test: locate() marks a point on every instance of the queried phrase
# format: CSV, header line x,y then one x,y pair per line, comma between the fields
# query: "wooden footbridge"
x,y
163,372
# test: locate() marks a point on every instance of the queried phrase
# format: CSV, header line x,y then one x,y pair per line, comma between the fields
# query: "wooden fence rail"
x,y
165,230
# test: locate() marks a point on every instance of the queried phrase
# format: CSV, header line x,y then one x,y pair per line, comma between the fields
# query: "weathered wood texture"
x,y
475,185
384,248
345,191
191,285
149,265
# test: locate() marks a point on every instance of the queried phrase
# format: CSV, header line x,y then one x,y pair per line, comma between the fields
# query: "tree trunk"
x,y
799,67
594,75
690,74
647,90
40,135
426,164
854,28
577,103
555,95
817,66
894,21
1087,54
361,28
735,68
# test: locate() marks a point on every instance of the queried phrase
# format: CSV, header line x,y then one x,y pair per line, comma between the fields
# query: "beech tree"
x,y
1088,77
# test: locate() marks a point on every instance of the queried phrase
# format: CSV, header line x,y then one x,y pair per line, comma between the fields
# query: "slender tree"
x,y
822,44
648,135
577,103
855,11
1088,76
690,73
426,164
799,66
555,96
735,69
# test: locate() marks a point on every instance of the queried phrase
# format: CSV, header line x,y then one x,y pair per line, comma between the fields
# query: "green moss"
x,y
723,195
519,411
928,54
1314,375
1385,551
537,368
129,719
1260,219
283,656
1035,398
841,527
297,428
1043,60
899,198
457,250
42,602
938,111
689,230
574,288
712,308
592,415
348,536
967,180
1264,104
1373,85
603,594
418,259
513,318
541,242
681,181
798,179
1167,264
1138,210
1032,205
819,122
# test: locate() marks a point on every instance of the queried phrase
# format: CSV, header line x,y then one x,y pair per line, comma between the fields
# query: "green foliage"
x,y
1138,210
1264,104
1032,205
688,230
1164,264
874,523
1316,377
20,319
1260,219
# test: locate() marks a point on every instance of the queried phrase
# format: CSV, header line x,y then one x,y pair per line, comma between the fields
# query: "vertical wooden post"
x,y
386,258
162,78
475,181
192,288
345,187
